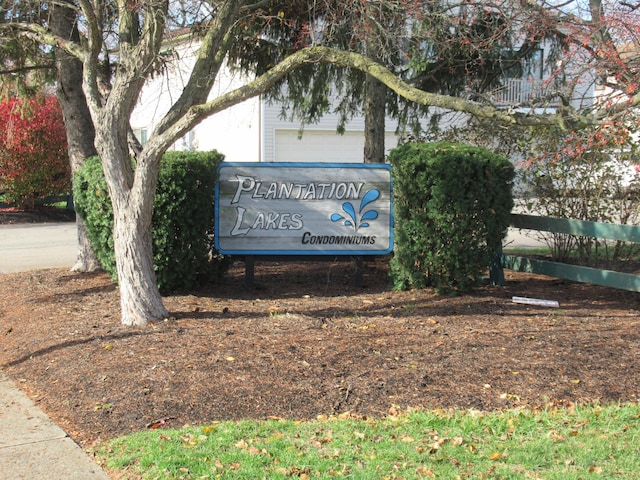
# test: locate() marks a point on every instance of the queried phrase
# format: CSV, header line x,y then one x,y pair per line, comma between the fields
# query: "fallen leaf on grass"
x,y
394,411
425,471
191,440
158,423
242,444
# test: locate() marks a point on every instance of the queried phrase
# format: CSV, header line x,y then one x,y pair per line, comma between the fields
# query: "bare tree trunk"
x,y
375,95
140,300
86,259
77,120
374,120
132,193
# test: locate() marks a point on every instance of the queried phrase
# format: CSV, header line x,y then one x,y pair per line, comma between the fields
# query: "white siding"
x,y
322,146
285,141
235,131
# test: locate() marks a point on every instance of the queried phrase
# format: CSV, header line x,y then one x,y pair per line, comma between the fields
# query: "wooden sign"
x,y
303,209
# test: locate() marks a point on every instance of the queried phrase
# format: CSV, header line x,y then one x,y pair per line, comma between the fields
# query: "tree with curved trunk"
x,y
136,49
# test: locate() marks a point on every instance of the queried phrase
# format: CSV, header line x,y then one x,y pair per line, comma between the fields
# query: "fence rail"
x,y
609,231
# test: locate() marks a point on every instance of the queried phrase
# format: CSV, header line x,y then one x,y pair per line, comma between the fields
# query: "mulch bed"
x,y
307,342
14,215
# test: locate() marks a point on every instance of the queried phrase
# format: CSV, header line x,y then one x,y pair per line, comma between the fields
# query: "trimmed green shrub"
x,y
452,204
182,224
92,203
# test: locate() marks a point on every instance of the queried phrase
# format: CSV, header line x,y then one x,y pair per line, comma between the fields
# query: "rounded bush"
x,y
452,206
34,161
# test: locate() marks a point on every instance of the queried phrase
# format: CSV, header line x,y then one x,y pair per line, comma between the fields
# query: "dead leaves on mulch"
x,y
307,342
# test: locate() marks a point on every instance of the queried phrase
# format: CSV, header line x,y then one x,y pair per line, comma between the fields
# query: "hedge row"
x,y
452,207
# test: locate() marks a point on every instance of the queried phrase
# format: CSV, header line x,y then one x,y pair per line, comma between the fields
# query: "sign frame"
x,y
353,207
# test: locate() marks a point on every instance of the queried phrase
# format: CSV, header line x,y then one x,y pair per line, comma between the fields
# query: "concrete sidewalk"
x,y
32,447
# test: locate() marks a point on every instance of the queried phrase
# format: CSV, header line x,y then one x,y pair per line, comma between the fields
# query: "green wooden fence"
x,y
607,278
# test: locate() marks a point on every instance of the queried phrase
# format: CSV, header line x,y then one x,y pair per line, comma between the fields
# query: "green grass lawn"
x,y
555,443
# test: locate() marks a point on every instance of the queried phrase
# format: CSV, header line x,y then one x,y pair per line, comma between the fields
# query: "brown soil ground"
x,y
307,342
13,215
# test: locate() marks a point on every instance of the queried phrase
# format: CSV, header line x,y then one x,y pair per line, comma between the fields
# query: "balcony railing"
x,y
519,91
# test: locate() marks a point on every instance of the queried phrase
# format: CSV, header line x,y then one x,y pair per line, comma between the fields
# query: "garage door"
x,y
322,146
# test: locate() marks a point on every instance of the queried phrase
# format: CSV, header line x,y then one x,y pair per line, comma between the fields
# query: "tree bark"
x,y
132,193
77,120
140,300
375,105
374,120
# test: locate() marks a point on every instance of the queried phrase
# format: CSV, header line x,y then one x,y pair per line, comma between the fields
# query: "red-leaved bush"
x,y
34,160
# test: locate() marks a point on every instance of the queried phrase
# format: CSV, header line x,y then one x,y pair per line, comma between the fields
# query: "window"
x,y
142,135
534,66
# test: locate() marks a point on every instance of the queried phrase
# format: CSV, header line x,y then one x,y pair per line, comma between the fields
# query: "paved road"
x,y
34,246
49,245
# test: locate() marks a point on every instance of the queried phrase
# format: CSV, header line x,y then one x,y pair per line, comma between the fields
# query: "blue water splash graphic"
x,y
358,220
